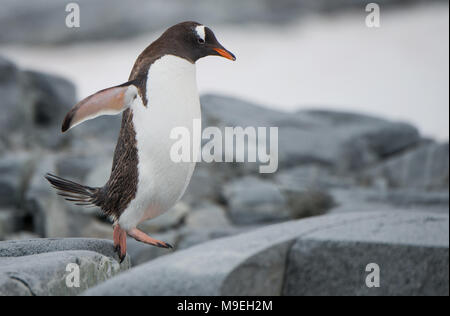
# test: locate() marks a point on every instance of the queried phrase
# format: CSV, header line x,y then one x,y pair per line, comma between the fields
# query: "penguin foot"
x,y
143,237
120,242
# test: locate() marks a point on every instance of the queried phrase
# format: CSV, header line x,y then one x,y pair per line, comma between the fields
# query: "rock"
x,y
207,215
99,174
10,94
360,199
21,235
206,184
38,267
411,198
206,222
251,200
406,248
168,220
49,217
74,167
320,255
34,106
424,167
306,189
8,223
343,141
12,173
46,101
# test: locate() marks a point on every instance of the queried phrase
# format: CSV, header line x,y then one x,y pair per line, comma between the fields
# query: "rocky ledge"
x,y
39,266
325,255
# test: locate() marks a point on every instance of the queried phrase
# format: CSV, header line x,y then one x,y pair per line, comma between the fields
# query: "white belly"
x,y
173,102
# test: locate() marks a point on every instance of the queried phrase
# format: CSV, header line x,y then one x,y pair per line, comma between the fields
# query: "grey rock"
x,y
411,198
424,167
21,235
34,106
207,215
38,267
411,251
14,171
10,94
45,208
306,189
270,261
99,174
104,129
8,222
74,166
251,200
206,183
343,141
46,100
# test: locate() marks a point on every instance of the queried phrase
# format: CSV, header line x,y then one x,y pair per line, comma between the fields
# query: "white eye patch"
x,y
200,30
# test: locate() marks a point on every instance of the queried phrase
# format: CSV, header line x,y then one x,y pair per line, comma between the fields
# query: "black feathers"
x,y
72,191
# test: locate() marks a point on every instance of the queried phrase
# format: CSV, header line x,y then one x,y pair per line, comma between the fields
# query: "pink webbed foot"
x,y
143,237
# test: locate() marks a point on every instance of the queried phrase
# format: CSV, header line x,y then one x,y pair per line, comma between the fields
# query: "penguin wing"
x,y
109,101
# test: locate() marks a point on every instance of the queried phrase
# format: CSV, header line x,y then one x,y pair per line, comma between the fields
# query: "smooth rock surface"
x,y
38,267
267,261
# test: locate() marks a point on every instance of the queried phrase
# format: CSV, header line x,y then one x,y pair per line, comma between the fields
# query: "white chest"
x,y
173,102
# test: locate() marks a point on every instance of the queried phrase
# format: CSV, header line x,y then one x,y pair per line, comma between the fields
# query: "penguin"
x,y
160,95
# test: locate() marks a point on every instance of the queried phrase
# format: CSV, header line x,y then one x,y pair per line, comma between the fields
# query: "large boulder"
x,y
321,255
38,267
425,167
33,107
343,141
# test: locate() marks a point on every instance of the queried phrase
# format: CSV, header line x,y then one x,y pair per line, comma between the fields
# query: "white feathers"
x,y
200,29
173,101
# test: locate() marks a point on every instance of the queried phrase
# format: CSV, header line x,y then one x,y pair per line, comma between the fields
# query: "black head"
x,y
192,41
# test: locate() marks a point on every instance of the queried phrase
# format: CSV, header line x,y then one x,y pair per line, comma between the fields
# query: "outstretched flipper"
x,y
109,101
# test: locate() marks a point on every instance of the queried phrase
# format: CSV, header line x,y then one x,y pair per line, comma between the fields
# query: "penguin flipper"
x,y
109,101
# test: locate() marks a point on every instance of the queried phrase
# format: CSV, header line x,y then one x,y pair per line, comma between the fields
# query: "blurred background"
x,y
363,112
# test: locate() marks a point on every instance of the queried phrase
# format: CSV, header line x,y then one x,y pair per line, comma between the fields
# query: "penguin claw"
x,y
143,237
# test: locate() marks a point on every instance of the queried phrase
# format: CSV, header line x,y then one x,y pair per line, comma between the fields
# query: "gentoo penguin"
x,y
161,95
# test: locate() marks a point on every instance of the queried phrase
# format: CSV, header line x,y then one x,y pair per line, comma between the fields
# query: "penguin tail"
x,y
74,192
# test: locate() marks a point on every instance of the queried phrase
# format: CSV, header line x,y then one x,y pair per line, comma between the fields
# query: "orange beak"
x,y
224,53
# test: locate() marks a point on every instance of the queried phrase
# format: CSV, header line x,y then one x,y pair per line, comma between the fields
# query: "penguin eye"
x,y
201,40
